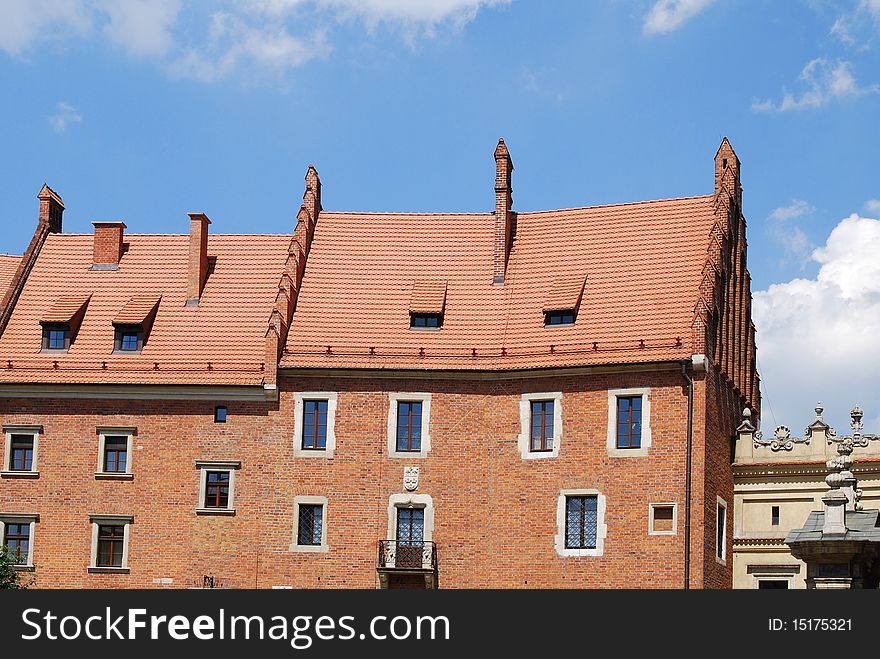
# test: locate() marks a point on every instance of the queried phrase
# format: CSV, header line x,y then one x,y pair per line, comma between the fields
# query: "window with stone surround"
x,y
629,422
309,524
17,533
408,425
110,542
314,425
20,454
580,523
217,486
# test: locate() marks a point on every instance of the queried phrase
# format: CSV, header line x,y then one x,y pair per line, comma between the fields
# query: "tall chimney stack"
x,y
51,209
198,257
504,216
107,248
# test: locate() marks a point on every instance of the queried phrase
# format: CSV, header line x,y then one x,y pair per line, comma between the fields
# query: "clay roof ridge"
x,y
409,213
622,203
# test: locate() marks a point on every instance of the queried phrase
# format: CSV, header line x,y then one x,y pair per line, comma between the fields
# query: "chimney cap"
x,y
501,149
46,193
109,223
201,217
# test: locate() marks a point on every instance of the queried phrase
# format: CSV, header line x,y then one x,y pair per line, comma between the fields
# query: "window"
x,y
110,538
562,317
129,338
20,456
721,531
580,522
314,436
540,425
114,453
773,584
662,519
313,427
409,543
56,337
409,425
220,414
629,422
425,320
774,515
408,422
17,533
309,524
217,487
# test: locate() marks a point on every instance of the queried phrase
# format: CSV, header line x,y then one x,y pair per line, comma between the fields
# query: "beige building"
x,y
778,481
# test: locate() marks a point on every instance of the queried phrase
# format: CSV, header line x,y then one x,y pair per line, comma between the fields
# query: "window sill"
x,y
93,569
19,474
215,511
408,454
628,452
309,549
23,568
113,476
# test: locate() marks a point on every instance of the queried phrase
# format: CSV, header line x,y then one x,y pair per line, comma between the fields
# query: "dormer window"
x,y
425,320
61,322
563,300
133,323
427,303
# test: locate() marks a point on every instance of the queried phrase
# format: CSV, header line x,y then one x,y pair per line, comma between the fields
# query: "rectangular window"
x,y
217,489
409,426
425,320
663,519
111,542
410,537
562,317
56,337
581,515
21,453
314,437
721,530
129,338
774,515
542,425
311,522
773,584
629,422
220,414
17,539
115,454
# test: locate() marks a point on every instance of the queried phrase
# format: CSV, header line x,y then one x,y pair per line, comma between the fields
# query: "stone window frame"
x,y
722,549
11,429
402,397
787,573
601,527
97,520
524,440
21,518
663,504
216,465
310,501
111,431
611,439
299,399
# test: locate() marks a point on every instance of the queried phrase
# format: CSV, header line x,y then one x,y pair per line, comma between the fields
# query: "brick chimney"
x,y
505,220
198,257
107,248
51,209
727,171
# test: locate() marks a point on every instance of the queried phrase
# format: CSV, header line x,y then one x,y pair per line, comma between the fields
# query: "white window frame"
x,y
410,500
13,429
103,433
216,465
524,441
398,397
787,573
110,520
601,528
722,558
611,440
663,504
299,399
310,501
21,518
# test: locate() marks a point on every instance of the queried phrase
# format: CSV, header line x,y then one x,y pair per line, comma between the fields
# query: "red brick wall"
x,y
495,512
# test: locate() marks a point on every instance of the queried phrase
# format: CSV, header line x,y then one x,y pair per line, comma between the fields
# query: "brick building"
x,y
503,399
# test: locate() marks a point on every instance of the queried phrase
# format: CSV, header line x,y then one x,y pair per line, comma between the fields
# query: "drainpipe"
x,y
687,480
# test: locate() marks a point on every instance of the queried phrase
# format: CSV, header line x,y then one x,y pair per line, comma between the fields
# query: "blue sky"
x,y
142,111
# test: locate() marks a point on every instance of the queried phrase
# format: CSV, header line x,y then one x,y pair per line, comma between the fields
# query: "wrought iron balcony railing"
x,y
400,555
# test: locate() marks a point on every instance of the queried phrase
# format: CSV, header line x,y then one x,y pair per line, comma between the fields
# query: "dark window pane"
x,y
314,424
22,453
311,522
220,413
581,519
629,422
111,540
18,541
217,489
409,425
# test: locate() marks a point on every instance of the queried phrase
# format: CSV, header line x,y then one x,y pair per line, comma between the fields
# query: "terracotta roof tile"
x,y
642,264
137,310
565,293
64,309
428,296
8,267
221,341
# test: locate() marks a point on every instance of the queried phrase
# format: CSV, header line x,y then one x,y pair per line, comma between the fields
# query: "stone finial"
x,y
857,425
819,409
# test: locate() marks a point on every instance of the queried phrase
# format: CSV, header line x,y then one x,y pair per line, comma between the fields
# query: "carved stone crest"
x,y
410,478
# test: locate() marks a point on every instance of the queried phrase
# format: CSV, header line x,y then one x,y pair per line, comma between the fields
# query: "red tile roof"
x,y
428,296
642,263
565,293
64,309
8,267
137,309
220,342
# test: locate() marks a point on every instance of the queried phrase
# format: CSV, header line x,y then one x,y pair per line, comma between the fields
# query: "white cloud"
x,y
824,82
817,338
797,208
669,15
66,115
784,231
873,206
141,27
25,22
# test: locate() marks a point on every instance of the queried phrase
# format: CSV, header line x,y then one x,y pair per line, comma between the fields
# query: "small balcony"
x,y
407,565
